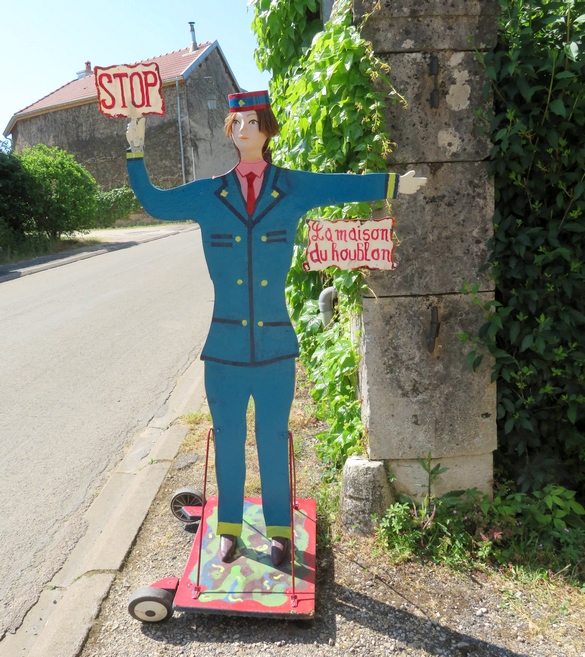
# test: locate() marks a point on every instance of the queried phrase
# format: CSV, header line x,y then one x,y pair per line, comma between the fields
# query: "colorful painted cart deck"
x,y
250,585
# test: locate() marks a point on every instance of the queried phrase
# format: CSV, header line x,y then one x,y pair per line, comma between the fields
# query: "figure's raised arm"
x,y
177,204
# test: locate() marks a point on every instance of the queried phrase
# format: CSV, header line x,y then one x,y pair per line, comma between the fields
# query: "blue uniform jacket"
x,y
249,256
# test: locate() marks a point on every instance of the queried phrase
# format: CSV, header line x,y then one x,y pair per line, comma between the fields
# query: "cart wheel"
x,y
151,605
185,497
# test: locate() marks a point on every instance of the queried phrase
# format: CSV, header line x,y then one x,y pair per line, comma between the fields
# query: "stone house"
x,y
186,143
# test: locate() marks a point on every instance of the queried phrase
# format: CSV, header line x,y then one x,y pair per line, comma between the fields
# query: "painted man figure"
x,y
248,219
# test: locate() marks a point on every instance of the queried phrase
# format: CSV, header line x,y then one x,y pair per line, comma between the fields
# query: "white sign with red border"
x,y
129,91
350,244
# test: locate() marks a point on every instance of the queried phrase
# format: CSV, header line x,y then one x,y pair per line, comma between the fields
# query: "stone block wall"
x,y
213,151
418,399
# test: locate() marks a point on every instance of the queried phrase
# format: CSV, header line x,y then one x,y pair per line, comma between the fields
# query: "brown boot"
x,y
227,547
279,550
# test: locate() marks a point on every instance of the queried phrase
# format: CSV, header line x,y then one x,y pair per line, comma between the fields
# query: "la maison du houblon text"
x,y
350,244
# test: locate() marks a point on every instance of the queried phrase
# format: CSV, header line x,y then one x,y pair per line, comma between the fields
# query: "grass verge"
x,y
37,246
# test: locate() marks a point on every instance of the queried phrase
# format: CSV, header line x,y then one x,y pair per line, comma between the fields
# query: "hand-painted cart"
x,y
249,585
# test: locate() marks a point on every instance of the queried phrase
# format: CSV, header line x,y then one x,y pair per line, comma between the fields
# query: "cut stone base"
x,y
365,491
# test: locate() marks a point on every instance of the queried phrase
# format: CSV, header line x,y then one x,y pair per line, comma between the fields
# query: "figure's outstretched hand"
x,y
135,134
410,184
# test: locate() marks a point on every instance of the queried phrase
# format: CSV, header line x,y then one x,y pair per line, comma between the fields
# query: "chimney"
x,y
193,39
86,71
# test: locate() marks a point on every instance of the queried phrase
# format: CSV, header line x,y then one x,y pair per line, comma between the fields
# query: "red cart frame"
x,y
249,585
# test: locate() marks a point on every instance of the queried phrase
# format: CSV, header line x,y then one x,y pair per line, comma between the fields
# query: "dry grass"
x,y
35,248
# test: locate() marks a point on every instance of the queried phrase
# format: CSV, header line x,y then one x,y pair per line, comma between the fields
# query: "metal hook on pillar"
x,y
326,299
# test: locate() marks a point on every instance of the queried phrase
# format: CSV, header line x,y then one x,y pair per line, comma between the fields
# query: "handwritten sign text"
x,y
134,90
350,244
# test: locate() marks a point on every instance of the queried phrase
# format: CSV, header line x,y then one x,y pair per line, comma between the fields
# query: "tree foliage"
x,y
536,327
115,204
18,193
65,197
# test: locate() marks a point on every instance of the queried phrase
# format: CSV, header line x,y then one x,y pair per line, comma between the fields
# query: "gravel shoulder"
x,y
366,605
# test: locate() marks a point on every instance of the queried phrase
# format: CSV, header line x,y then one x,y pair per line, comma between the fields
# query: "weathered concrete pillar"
x,y
365,493
419,398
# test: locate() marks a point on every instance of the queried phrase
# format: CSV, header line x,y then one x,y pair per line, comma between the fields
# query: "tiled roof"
x,y
172,65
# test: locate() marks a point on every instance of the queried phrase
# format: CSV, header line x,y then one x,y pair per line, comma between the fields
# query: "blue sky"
x,y
43,44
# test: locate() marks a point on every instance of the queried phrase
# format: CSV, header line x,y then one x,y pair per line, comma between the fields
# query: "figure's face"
x,y
247,136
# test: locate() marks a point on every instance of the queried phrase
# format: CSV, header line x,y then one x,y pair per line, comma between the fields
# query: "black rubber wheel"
x,y
185,497
151,605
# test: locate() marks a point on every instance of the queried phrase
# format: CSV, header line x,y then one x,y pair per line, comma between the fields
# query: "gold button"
x,y
240,281
244,322
260,323
264,238
264,283
238,238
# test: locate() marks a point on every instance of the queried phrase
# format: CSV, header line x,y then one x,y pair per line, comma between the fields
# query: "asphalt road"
x,y
89,352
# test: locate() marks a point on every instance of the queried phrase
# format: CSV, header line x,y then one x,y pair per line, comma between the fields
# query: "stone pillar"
x,y
365,494
418,398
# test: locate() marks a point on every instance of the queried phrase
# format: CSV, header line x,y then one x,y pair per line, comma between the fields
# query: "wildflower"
x,y
567,530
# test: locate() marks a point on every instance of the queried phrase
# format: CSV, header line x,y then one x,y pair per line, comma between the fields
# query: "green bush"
x,y
6,240
18,193
115,204
332,360
536,326
540,531
65,197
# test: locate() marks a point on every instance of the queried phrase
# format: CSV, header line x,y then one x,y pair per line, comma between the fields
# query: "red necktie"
x,y
251,197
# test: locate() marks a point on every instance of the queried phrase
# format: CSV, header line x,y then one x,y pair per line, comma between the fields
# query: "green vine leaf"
x,y
537,74
557,106
329,92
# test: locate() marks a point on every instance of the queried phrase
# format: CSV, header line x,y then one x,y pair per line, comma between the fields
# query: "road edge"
x,y
59,623
28,267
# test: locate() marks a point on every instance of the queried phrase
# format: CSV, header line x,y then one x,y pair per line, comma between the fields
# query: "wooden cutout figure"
x,y
248,219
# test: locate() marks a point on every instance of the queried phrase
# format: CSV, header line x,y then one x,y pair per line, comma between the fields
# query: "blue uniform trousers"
x,y
228,390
